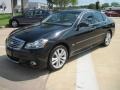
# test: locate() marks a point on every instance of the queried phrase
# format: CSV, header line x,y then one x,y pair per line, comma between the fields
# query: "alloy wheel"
x,y
14,23
108,38
58,58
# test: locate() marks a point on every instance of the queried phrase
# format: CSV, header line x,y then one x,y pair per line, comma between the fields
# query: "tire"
x,y
58,57
14,23
107,39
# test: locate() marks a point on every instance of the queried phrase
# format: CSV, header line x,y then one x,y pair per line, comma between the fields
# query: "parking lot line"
x,y
86,78
1,46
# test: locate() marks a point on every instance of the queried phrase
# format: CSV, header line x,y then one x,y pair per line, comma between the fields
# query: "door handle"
x,y
92,28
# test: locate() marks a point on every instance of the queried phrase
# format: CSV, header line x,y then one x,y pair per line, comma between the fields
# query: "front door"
x,y
82,38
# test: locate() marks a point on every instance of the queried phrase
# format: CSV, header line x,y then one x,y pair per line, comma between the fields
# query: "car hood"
x,y
36,32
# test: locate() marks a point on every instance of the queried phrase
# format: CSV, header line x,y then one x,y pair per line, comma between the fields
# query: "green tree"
x,y
105,5
74,2
50,4
92,6
63,3
115,4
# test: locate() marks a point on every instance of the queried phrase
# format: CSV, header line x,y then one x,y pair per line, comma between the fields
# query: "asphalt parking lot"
x,y
96,69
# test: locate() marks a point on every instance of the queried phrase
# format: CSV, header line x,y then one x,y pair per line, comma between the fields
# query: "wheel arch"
x,y
65,45
14,20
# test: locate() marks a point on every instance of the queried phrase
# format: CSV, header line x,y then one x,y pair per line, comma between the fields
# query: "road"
x,y
107,62
96,69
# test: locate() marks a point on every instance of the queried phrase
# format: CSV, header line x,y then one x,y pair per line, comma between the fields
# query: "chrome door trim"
x,y
88,39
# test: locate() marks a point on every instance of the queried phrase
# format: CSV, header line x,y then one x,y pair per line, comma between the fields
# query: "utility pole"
x,y
22,7
98,5
12,6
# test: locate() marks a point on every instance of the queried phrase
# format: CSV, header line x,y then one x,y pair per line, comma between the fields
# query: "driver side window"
x,y
88,18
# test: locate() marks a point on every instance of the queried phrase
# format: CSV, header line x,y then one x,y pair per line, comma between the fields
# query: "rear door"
x,y
99,24
28,17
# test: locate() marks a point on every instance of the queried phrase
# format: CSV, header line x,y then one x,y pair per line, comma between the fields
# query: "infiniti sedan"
x,y
60,36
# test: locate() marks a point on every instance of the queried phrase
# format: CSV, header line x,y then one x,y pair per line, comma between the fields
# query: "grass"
x,y
4,19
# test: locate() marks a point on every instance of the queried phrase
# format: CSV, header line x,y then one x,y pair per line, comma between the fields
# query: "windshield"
x,y
62,18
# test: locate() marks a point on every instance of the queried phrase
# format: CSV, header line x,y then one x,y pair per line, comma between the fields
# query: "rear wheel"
x,y
107,39
58,58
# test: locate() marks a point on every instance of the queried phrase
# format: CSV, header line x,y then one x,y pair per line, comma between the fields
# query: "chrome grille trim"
x,y
15,43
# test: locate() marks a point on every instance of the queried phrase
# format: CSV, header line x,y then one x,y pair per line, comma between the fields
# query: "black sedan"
x,y
29,17
60,36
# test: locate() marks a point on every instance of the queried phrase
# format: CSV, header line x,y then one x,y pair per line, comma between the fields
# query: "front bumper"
x,y
23,56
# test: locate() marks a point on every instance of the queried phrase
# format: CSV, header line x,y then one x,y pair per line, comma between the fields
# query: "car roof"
x,y
79,10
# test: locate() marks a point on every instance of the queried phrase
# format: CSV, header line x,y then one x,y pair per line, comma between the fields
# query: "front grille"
x,y
15,43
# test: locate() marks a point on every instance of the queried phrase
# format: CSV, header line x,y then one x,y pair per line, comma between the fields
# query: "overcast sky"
x,y
81,2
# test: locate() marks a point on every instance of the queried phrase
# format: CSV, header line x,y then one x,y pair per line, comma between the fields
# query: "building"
x,y
37,5
6,5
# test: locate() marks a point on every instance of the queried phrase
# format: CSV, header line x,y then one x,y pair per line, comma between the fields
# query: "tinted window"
x,y
98,17
88,18
29,13
62,18
38,12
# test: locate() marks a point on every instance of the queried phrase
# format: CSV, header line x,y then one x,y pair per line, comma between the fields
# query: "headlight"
x,y
37,44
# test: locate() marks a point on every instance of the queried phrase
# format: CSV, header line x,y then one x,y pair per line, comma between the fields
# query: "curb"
x,y
2,26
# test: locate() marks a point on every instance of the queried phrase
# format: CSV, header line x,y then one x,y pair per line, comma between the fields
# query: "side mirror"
x,y
82,24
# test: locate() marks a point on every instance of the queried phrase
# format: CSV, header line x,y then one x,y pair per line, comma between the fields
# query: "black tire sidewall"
x,y
16,22
50,67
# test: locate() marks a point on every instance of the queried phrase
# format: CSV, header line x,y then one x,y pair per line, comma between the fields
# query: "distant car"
x,y
103,11
58,37
113,13
29,17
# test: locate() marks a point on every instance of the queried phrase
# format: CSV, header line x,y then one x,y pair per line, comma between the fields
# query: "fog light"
x,y
33,63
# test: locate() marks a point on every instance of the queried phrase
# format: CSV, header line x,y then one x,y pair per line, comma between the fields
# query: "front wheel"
x,y
58,58
107,39
14,23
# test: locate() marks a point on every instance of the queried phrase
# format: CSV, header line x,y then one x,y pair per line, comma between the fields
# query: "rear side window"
x,y
98,16
29,13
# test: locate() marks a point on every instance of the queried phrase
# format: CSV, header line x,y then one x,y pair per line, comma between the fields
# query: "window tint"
x,y
88,18
38,12
98,17
29,13
63,18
